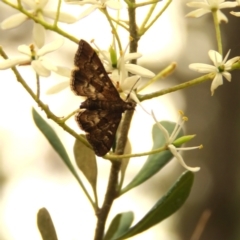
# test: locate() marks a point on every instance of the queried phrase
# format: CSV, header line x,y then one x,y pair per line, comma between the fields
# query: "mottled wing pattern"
x,y
89,77
100,126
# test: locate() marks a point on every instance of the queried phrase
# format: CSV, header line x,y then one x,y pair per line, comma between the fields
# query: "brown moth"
x,y
103,107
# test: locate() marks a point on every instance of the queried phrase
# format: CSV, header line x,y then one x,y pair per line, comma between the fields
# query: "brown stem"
x,y
112,189
111,192
133,30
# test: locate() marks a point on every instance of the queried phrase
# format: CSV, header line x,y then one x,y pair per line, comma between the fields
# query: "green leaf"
x,y
45,225
155,162
55,142
164,207
86,161
120,224
53,139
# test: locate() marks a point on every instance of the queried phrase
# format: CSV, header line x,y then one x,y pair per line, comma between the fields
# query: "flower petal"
x,y
198,5
216,57
40,69
8,63
161,127
40,4
113,4
228,4
178,156
50,47
63,17
14,21
58,87
230,62
136,69
63,71
25,50
221,17
217,81
197,13
131,56
129,83
93,2
202,67
237,14
48,64
38,35
88,11
227,75
226,57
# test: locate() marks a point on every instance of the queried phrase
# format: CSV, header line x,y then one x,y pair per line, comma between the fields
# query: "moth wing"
x,y
89,77
101,127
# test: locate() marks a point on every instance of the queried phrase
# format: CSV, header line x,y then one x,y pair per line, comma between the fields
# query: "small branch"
x,y
45,107
133,30
147,17
104,10
19,4
133,155
191,83
70,115
56,119
111,192
218,31
109,198
164,73
58,12
146,3
38,86
43,23
143,29
112,189
118,22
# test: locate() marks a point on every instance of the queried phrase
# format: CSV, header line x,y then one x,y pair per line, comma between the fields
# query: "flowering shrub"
x,y
126,75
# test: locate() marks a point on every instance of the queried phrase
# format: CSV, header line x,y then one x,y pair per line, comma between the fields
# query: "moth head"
x,y
130,105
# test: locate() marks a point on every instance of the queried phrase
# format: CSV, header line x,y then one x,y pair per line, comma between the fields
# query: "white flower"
x,y
220,68
119,67
170,141
95,4
237,14
206,6
38,61
36,8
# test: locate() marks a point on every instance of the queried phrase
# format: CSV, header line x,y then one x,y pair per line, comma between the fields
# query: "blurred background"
x,y
32,175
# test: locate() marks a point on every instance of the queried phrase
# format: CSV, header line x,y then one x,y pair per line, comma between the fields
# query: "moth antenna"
x,y
132,89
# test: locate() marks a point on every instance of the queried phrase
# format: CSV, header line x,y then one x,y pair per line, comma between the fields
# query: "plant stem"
x,y
190,83
43,23
112,193
218,31
112,189
144,28
133,155
133,29
44,107
58,13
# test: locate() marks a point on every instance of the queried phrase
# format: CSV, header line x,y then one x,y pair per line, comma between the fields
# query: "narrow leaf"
x,y
156,161
120,224
164,207
45,225
53,139
55,142
86,161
